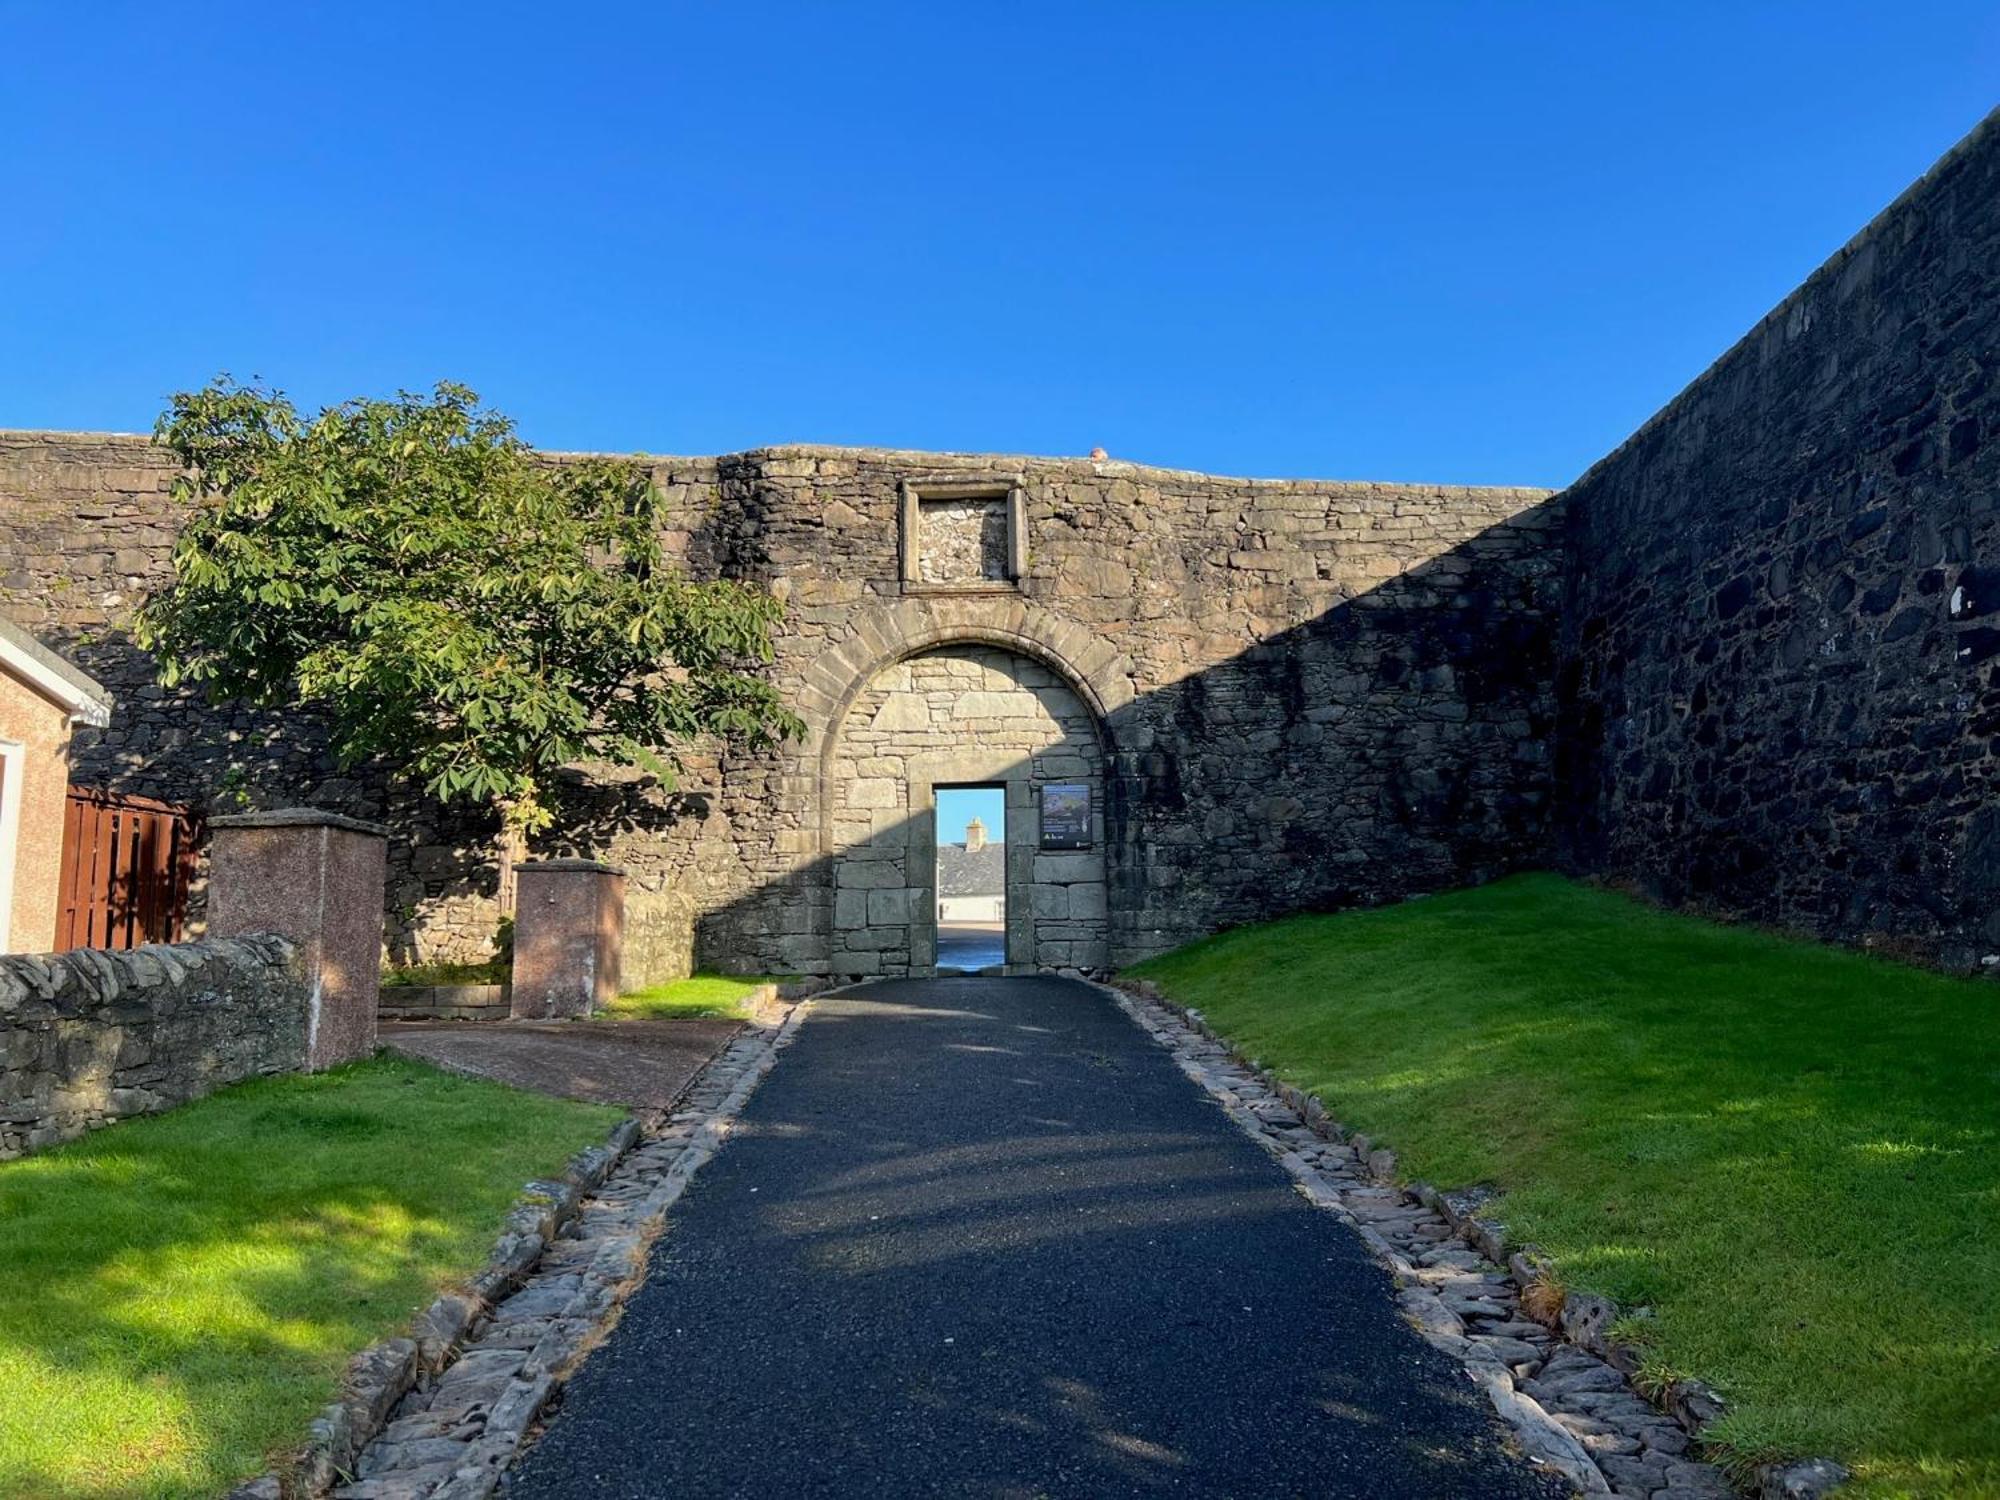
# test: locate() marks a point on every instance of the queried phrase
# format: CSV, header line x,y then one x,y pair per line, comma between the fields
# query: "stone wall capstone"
x,y
88,1037
1781,639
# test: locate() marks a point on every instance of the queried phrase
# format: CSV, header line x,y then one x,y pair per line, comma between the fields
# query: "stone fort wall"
x,y
1309,693
1782,630
1748,661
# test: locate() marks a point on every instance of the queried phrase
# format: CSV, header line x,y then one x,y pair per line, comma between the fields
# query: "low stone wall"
x,y
444,1002
89,1037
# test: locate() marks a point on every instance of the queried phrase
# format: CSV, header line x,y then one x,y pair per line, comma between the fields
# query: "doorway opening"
x,y
971,881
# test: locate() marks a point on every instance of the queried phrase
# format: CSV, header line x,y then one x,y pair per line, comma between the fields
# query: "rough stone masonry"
x,y
1281,694
1748,661
89,1037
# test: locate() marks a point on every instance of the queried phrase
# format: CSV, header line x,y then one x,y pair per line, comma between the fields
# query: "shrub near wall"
x,y
89,1037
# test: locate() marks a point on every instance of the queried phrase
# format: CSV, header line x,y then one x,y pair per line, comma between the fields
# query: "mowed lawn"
x,y
1789,1153
697,995
178,1294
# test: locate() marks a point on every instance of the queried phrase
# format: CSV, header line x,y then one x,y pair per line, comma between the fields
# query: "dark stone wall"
x,y
1781,643
87,1038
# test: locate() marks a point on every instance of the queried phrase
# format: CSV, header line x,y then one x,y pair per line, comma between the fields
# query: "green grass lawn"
x,y
1791,1153
179,1294
699,995
410,976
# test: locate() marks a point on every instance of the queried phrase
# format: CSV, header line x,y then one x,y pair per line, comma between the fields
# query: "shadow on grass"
x,y
179,1294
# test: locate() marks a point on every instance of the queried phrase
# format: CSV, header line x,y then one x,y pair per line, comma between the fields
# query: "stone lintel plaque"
x,y
963,534
1066,815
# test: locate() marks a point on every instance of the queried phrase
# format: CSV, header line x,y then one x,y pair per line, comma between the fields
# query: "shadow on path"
x,y
980,1237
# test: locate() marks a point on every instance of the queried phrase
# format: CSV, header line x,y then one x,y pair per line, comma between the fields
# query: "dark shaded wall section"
x,y
1780,690
1316,693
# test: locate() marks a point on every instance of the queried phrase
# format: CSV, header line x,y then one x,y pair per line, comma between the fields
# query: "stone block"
x,y
991,705
569,920
887,907
868,875
797,952
1068,869
316,879
901,712
871,939
1061,767
1088,901
1050,901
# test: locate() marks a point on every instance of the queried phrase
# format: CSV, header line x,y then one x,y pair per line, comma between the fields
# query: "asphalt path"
x,y
981,1237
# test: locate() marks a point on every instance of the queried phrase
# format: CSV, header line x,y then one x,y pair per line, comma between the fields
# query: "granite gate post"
x,y
569,932
316,878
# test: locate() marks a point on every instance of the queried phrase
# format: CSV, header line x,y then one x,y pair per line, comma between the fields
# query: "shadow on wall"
x,y
1397,743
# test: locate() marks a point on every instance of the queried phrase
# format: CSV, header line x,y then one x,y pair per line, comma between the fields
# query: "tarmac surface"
x,y
981,1237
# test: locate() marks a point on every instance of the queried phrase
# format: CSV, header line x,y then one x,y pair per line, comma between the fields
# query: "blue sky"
x,y
1474,242
957,806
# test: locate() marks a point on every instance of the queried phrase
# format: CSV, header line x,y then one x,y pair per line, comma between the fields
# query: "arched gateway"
x,y
967,694
967,716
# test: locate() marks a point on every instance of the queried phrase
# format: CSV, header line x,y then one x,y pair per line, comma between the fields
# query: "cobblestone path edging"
x,y
1542,1359
440,1414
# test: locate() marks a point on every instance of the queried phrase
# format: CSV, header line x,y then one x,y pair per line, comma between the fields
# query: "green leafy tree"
x,y
461,606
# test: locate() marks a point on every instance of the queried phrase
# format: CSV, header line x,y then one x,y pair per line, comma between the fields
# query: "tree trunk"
x,y
513,846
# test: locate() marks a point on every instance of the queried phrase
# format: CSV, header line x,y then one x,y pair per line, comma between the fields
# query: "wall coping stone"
x,y
593,866
131,975
297,817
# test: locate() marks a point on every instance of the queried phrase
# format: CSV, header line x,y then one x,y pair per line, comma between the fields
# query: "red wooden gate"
x,y
126,864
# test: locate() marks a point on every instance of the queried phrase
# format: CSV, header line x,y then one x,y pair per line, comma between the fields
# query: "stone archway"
x,y
882,635
959,713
